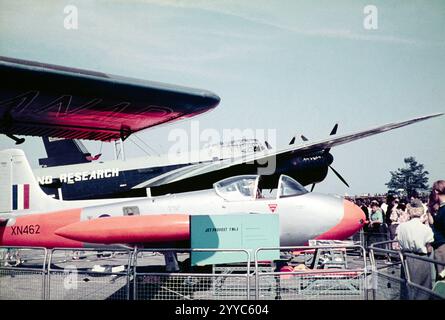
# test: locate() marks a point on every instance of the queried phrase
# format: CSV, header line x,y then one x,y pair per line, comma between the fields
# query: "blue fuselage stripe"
x,y
14,197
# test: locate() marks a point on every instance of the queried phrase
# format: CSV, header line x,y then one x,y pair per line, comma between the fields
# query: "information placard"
x,y
234,231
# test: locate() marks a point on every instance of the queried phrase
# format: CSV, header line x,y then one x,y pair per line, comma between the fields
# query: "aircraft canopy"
x,y
248,187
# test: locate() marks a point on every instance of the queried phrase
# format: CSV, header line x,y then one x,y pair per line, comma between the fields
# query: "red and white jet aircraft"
x,y
29,217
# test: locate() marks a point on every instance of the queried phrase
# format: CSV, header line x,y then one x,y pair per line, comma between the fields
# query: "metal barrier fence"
x,y
22,273
398,275
73,274
305,272
67,273
367,238
301,283
221,283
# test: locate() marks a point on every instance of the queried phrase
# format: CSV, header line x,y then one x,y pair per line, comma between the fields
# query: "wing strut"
x,y
125,132
6,123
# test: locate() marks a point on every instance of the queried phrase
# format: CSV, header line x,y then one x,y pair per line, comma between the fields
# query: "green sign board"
x,y
234,231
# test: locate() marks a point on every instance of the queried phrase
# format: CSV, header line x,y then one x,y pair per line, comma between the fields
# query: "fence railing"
x,y
193,283
304,272
73,274
19,280
334,281
409,289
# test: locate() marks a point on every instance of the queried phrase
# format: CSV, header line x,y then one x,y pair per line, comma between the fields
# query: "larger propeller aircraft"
x,y
53,101
70,171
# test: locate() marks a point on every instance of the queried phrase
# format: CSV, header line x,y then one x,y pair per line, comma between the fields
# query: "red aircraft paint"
x,y
64,229
348,225
37,230
129,229
26,196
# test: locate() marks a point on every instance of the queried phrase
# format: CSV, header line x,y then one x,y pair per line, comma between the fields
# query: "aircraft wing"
x,y
38,99
240,165
342,139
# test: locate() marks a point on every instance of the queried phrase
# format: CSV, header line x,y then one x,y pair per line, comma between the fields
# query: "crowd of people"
x,y
418,226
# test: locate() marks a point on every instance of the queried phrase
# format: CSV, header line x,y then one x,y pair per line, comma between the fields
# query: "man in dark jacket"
x,y
439,228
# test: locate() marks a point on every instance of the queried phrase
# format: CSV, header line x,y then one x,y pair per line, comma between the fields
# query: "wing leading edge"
x,y
263,157
45,100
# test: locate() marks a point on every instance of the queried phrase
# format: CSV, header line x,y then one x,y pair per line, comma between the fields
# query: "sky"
x,y
297,67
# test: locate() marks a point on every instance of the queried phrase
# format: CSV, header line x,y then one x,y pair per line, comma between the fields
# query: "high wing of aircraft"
x,y
29,217
39,99
312,156
308,163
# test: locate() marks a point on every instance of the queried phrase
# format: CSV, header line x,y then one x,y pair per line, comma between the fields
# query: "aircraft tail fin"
x,y
19,189
62,152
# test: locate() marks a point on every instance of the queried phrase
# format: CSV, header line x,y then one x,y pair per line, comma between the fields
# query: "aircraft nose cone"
x,y
353,220
354,217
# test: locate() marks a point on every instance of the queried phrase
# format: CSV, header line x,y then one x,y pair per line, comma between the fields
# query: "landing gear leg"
x,y
171,261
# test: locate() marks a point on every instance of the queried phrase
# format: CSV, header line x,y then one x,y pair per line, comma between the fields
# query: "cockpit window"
x,y
288,187
251,187
237,188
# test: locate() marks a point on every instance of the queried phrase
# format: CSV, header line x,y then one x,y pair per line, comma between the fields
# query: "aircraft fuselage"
x,y
303,217
115,179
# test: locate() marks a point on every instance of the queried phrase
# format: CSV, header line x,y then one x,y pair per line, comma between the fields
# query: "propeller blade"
x,y
313,186
267,145
334,130
302,138
339,176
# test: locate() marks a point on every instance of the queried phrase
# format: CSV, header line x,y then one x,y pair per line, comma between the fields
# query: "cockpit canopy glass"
x,y
237,188
289,187
248,187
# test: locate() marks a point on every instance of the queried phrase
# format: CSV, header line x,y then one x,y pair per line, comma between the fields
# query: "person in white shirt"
x,y
416,238
384,207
